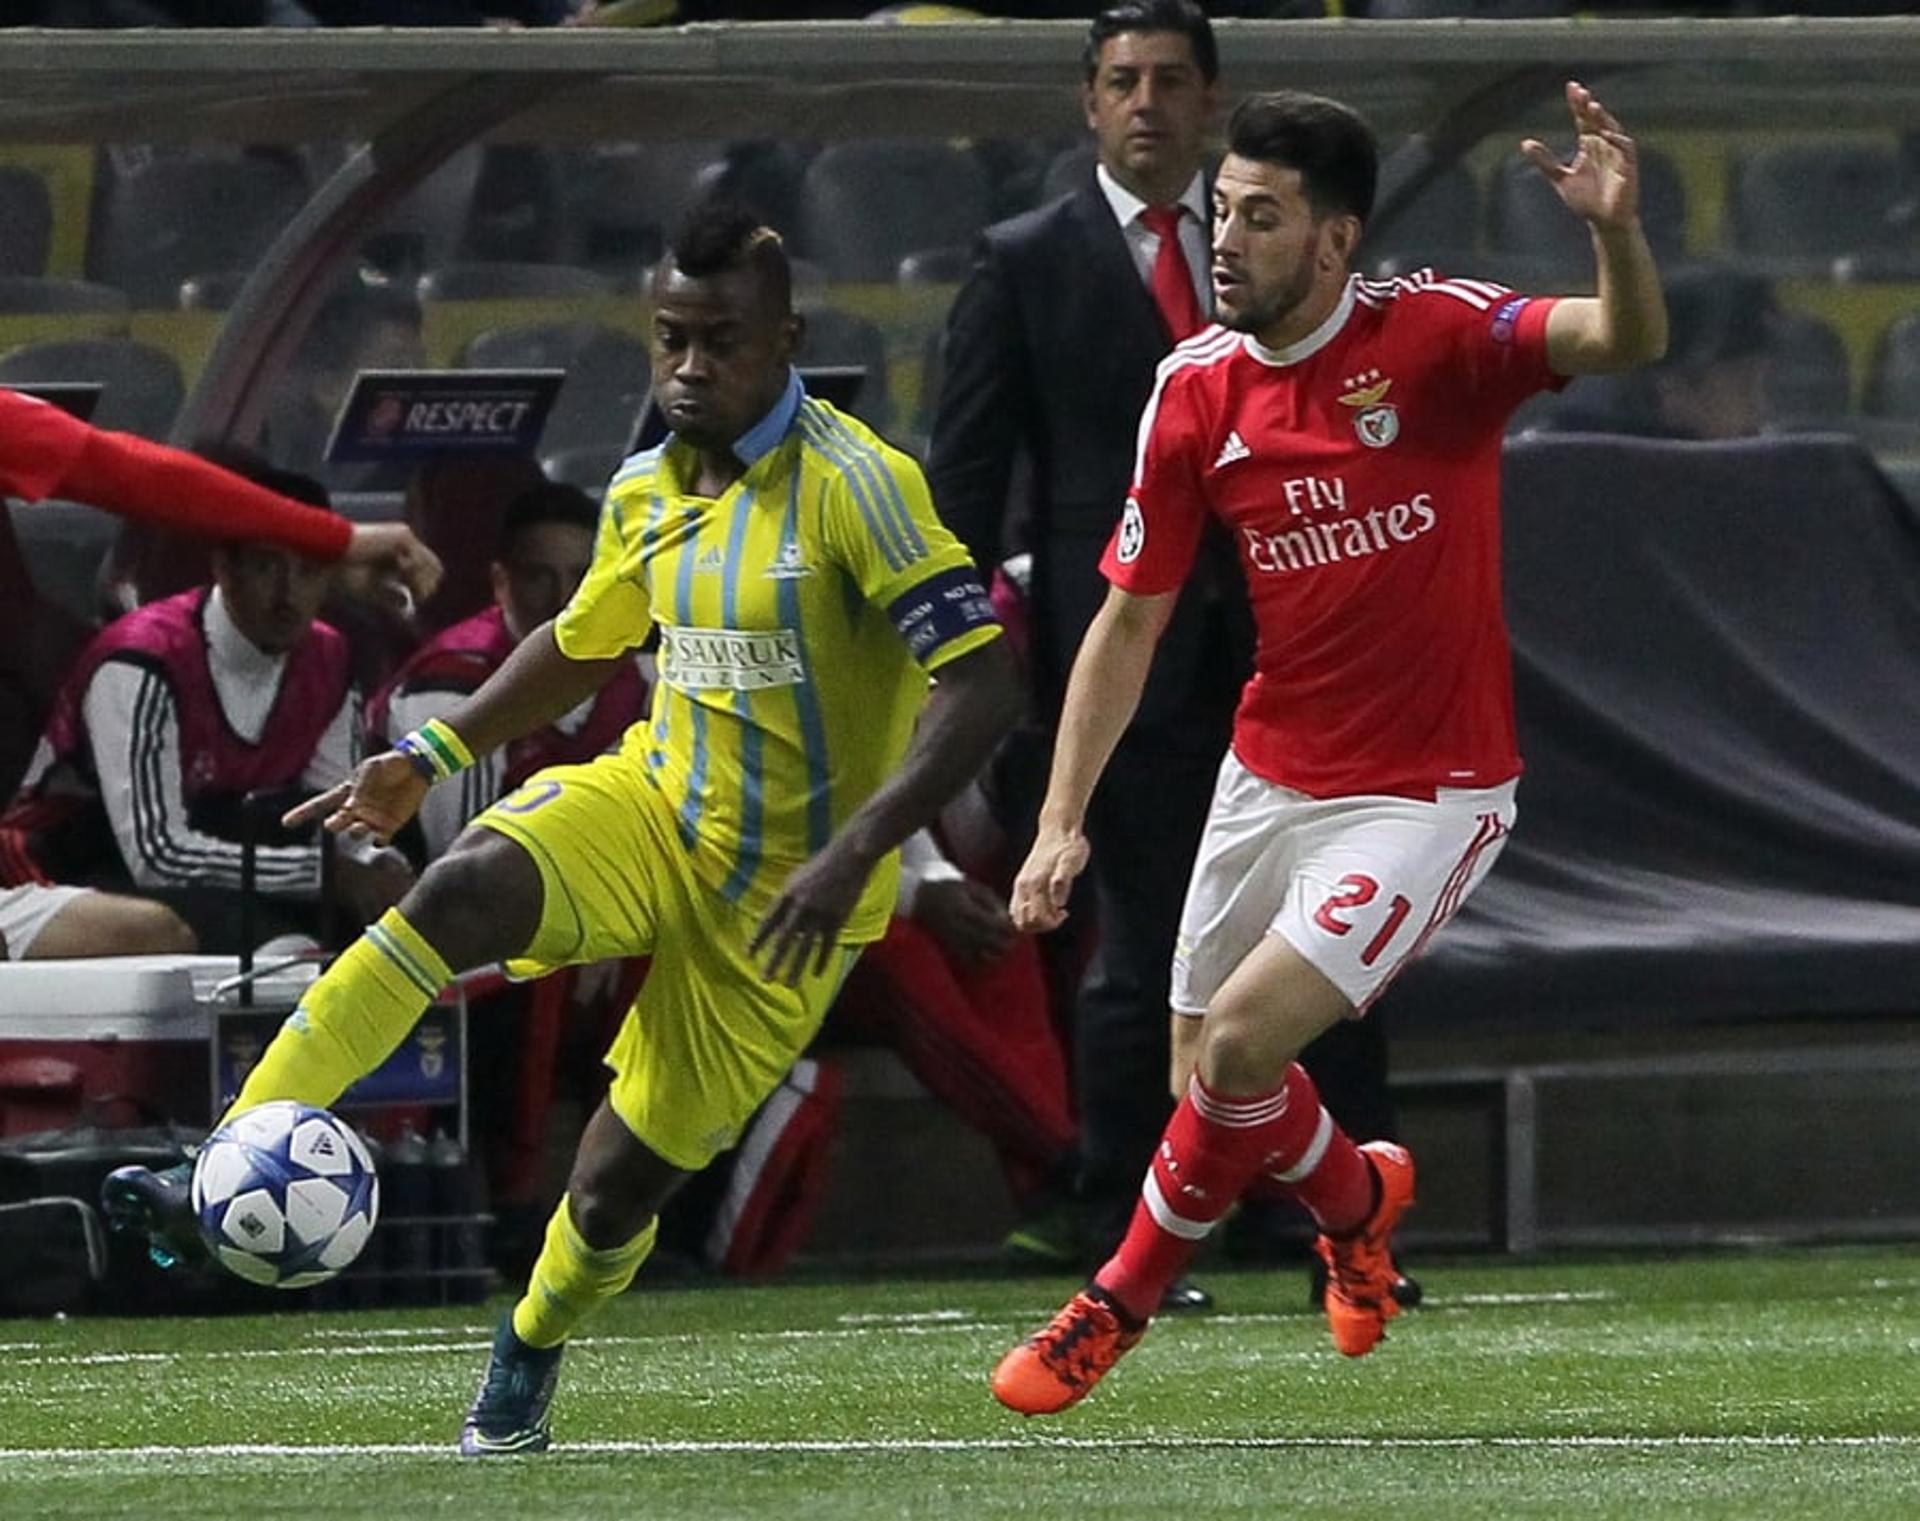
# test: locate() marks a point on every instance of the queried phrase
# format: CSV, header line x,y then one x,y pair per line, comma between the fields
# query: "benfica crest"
x,y
1375,419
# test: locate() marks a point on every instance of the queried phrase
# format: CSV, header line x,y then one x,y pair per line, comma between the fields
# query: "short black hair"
x,y
1330,145
1182,16
250,466
722,234
553,502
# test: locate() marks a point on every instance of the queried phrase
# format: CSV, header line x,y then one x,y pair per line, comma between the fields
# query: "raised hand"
x,y
1602,183
376,801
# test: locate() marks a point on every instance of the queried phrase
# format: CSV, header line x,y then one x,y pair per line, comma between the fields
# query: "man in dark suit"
x,y
1050,357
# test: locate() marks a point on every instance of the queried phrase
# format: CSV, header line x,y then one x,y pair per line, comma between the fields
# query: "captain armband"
x,y
941,609
435,750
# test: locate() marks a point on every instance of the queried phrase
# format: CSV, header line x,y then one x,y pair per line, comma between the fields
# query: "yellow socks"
x,y
571,1279
351,1019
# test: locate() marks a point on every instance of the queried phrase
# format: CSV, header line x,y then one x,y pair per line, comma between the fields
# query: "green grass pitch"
x,y
1752,1386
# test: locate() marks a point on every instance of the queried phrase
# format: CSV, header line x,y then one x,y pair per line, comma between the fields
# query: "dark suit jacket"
x,y
1050,355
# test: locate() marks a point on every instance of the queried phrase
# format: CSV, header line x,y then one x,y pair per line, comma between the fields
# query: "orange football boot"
x,y
1360,1269
1059,1364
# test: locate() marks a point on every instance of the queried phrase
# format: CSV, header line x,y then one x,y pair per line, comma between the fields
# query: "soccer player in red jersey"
x,y
1347,432
45,452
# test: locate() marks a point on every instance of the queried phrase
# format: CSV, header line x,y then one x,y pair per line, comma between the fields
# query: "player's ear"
x,y
1339,240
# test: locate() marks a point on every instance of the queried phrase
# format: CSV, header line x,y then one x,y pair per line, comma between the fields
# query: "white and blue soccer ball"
x,y
286,1195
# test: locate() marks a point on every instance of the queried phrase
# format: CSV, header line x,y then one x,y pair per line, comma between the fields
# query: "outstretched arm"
x,y
536,685
1102,693
1625,323
975,701
170,488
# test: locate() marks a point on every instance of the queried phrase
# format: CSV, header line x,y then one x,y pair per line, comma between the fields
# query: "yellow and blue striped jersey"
x,y
800,613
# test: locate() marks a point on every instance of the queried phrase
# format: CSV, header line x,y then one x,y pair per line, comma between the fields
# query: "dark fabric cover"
x,y
1717,662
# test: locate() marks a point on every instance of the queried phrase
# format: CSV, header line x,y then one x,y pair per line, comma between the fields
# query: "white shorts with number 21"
x,y
1357,885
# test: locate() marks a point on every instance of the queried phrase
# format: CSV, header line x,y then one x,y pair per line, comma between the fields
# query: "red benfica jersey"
x,y
1358,471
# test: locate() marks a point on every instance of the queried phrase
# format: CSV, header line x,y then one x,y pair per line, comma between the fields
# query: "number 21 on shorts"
x,y
1357,890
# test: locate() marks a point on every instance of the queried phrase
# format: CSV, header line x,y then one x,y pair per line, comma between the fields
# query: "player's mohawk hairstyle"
x,y
722,234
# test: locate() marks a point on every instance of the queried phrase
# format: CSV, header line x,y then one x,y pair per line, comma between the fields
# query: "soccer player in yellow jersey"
x,y
744,835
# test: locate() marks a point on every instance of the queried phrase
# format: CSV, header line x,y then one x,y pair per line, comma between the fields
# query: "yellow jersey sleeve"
x,y
881,526
611,611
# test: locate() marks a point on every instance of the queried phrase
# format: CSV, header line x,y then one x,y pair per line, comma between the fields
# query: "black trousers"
x,y
1144,824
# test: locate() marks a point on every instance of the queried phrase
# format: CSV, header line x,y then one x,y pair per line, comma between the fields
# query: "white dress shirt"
x,y
1144,244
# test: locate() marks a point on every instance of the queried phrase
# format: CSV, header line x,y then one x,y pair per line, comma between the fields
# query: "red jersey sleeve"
x,y
38,445
1153,545
1501,346
170,488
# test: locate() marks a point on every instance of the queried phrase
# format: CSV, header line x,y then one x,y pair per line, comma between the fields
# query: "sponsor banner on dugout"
x,y
414,414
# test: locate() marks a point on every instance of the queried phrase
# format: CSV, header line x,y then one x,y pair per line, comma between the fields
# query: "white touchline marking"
x,y
407,1349
691,1448
902,1318
347,1333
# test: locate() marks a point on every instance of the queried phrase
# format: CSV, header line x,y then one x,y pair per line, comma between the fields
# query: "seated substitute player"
x,y
1348,433
745,836
546,544
171,718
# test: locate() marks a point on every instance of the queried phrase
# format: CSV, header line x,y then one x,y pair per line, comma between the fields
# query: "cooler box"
x,y
123,1041
134,1039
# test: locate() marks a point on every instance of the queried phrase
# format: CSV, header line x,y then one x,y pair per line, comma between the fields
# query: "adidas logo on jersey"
x,y
1234,449
711,561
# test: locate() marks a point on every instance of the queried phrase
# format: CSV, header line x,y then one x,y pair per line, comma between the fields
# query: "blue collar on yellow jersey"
x,y
764,436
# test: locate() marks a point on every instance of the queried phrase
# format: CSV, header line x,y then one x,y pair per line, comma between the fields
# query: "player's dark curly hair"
x,y
723,234
1182,16
1331,146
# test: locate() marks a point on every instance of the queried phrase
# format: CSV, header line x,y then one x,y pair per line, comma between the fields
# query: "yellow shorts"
x,y
708,1038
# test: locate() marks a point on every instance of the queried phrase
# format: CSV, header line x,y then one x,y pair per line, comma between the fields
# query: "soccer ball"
x,y
286,1195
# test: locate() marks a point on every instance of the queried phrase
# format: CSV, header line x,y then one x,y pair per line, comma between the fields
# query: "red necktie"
x,y
1172,280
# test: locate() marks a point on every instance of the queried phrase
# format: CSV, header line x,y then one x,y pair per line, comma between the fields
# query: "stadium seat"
x,y
512,282
1438,227
1894,390
937,266
1809,383
515,215
608,378
215,291
46,294
1526,220
424,230
143,386
588,467
1071,168
1803,206
174,217
866,205
63,545
835,337
764,175
26,221
625,201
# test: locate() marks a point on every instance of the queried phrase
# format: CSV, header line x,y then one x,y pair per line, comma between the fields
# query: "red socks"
x,y
1213,1147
